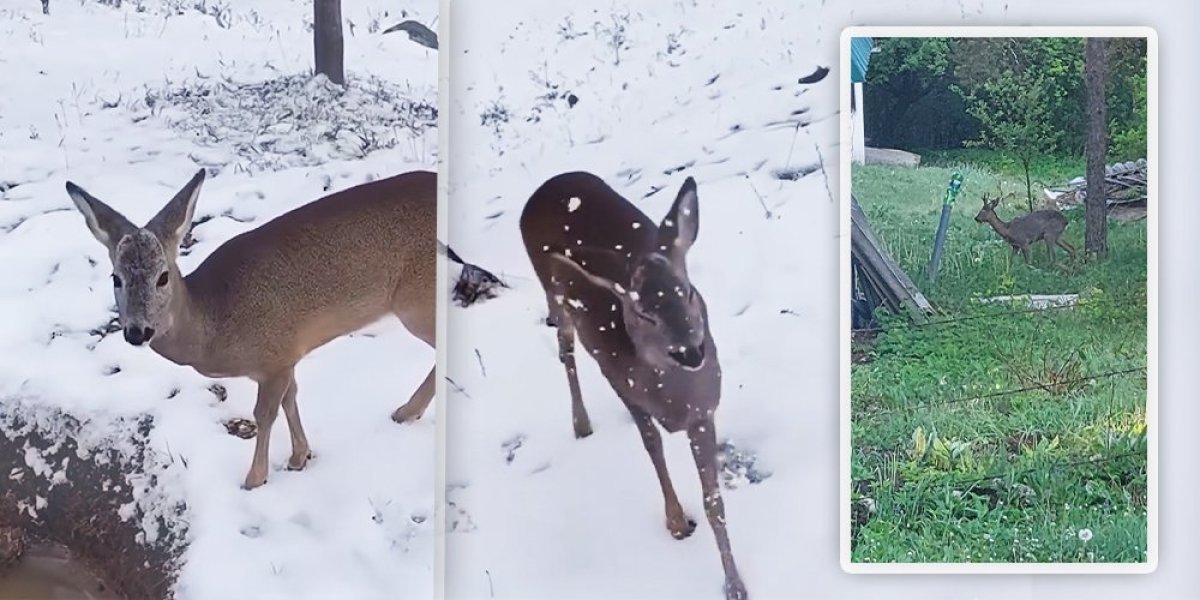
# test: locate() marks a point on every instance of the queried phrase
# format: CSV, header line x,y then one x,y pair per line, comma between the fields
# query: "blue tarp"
x,y
860,57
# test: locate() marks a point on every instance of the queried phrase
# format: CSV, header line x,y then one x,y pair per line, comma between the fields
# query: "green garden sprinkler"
x,y
939,240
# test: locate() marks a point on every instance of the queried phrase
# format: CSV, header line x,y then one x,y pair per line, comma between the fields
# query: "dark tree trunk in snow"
x,y
327,39
1095,71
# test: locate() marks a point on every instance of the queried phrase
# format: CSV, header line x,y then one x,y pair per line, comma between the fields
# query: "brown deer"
x,y
267,297
621,283
1024,230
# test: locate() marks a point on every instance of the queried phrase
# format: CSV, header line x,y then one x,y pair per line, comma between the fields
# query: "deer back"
x,y
615,245
1035,225
274,293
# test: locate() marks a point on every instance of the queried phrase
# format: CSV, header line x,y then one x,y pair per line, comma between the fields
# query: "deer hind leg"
x,y
271,392
703,436
301,452
1066,246
566,354
678,523
422,324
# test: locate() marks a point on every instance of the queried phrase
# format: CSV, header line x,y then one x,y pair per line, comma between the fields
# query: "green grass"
x,y
938,477
1050,170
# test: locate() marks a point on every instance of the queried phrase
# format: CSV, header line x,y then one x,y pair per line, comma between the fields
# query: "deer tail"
x,y
474,284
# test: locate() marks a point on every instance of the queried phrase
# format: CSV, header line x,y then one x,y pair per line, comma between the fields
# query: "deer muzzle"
x,y
688,358
137,335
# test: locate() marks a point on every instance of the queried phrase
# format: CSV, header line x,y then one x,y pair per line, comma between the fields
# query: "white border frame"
x,y
443,303
1152,428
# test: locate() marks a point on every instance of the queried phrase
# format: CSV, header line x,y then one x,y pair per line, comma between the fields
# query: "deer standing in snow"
x,y
266,298
620,283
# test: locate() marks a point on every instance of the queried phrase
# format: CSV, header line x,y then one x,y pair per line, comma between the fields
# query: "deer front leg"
x,y
301,452
418,402
555,314
1025,252
566,354
271,392
678,523
703,436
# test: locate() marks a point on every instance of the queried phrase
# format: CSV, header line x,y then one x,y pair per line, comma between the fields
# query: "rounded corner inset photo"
x,y
999,191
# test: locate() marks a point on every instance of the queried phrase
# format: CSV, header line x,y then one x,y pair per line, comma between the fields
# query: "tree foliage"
x,y
1025,96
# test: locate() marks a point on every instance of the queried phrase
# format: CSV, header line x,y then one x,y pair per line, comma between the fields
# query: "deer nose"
x,y
689,358
138,335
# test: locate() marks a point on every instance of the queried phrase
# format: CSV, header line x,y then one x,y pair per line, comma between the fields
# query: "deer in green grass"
x,y
1023,231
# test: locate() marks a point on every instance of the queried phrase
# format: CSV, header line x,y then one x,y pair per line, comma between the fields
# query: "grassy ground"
x,y
1050,170
1053,474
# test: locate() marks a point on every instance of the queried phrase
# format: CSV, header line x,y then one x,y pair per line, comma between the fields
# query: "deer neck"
x,y
185,342
999,225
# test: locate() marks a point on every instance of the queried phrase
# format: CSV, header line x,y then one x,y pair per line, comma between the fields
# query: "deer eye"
x,y
162,279
116,281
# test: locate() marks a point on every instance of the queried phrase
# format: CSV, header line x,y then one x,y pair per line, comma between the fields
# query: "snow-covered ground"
x,y
128,102
707,88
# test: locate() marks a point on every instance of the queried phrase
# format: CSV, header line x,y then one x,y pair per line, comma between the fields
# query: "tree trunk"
x,y
327,39
1028,182
1095,70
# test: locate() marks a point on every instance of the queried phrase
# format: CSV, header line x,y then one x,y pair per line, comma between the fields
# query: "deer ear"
x,y
679,228
565,268
175,219
108,225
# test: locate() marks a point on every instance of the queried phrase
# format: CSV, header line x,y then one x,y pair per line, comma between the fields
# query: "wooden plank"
x,y
895,285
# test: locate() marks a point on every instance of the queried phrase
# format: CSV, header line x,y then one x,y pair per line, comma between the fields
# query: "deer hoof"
x,y
405,414
682,530
582,431
254,481
299,461
735,590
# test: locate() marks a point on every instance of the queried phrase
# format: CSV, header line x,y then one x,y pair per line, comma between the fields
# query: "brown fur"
x,y
1021,232
620,283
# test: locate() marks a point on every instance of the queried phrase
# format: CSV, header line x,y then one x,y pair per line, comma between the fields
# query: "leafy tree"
x,y
1126,100
908,99
924,93
1014,115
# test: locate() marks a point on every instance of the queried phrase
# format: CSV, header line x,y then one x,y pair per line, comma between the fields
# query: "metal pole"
x,y
939,239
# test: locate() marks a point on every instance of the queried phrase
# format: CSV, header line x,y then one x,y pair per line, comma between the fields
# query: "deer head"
x,y
145,277
662,312
988,211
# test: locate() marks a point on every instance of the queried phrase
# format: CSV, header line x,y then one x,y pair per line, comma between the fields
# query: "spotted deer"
x,y
266,298
1024,230
619,282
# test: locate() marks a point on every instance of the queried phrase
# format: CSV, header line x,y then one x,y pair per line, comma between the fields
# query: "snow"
x,y
700,88
128,102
